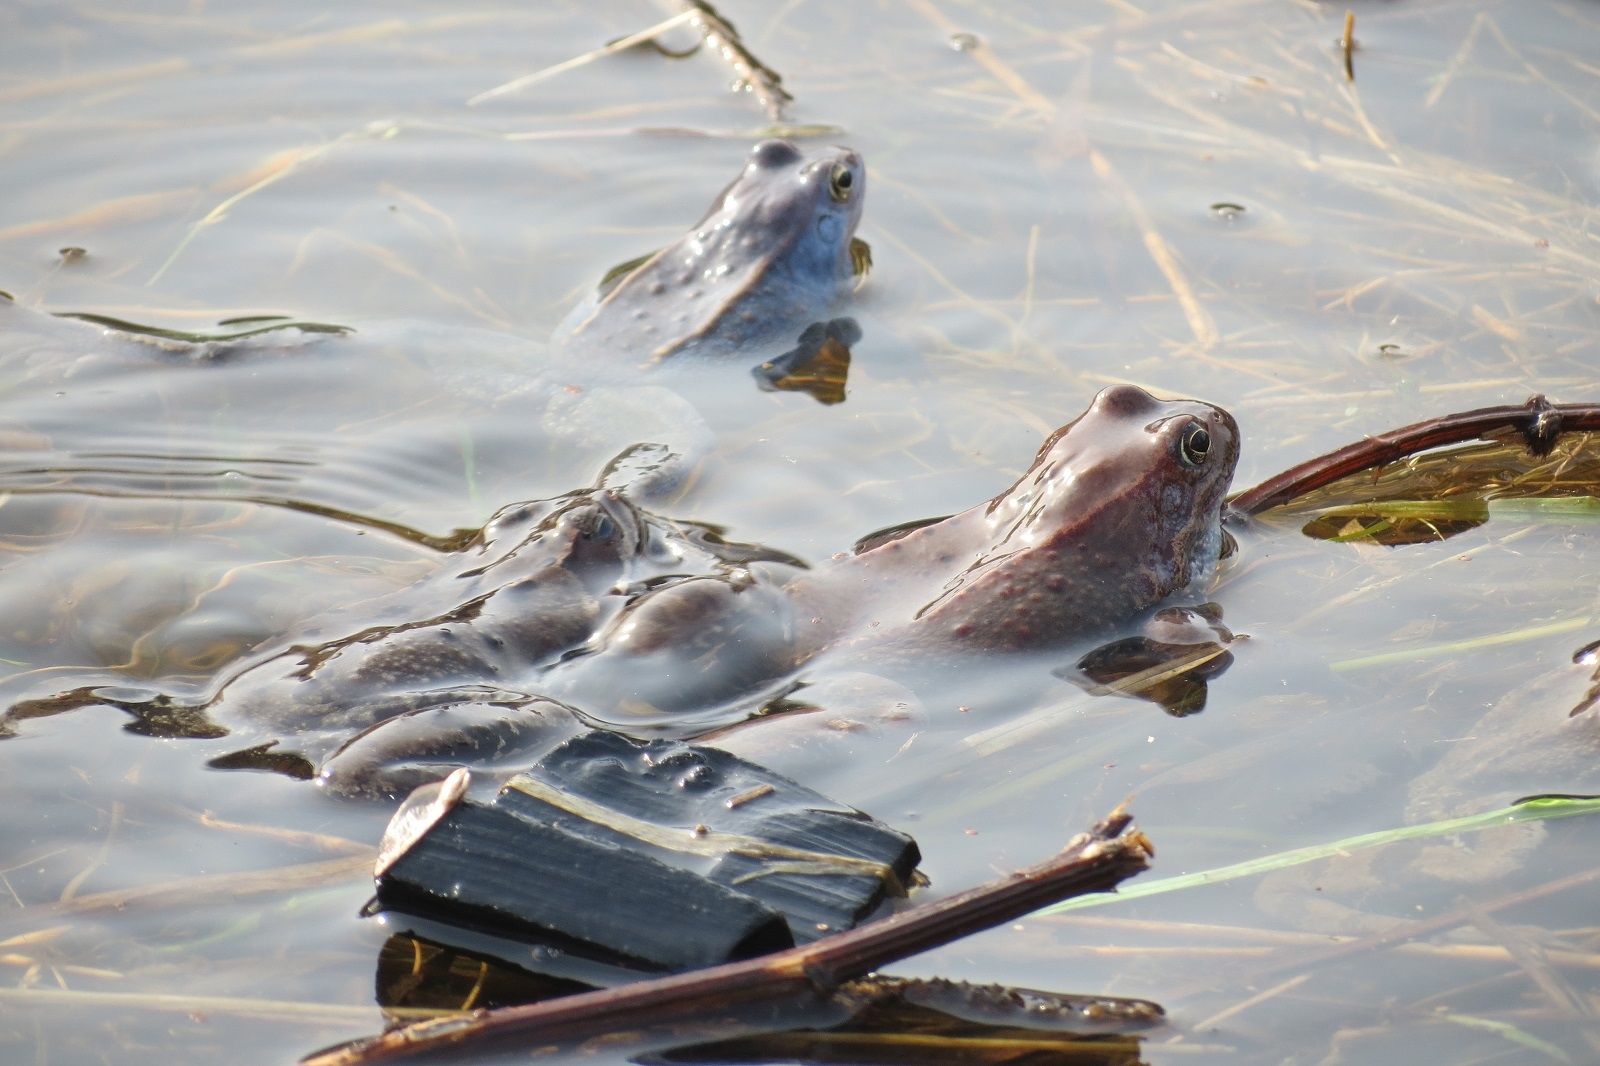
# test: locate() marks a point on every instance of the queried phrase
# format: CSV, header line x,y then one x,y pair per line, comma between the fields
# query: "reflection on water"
x,y
1186,196
874,1020
1170,664
819,365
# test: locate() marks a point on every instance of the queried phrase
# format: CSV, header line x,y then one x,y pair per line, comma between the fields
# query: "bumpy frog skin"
x,y
652,625
462,645
771,255
1120,509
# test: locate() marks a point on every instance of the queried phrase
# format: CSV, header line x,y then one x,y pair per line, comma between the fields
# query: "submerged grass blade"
x,y
1538,809
380,129
1516,636
301,1013
1511,1033
1369,531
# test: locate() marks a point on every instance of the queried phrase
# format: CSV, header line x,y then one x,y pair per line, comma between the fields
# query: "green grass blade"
x,y
1511,1033
1538,809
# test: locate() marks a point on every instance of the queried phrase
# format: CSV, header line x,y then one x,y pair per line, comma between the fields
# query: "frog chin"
x,y
1204,554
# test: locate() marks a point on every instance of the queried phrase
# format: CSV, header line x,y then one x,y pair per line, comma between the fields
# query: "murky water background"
x,y
1042,211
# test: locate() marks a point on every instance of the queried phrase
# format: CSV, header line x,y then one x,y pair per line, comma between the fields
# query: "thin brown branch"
x,y
1539,421
796,979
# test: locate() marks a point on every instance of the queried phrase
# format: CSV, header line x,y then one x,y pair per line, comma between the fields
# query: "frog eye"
x,y
840,182
1194,445
602,529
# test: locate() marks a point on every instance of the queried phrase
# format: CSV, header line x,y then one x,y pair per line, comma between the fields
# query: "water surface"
x,y
1188,196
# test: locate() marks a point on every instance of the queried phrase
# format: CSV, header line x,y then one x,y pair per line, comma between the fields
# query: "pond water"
x,y
1188,196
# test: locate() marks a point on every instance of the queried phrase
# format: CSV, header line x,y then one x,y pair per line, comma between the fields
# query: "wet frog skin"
x,y
587,609
770,256
443,667
1120,509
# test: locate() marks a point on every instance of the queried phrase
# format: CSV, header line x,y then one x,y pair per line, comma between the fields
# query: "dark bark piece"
x,y
668,854
682,784
1538,421
817,906
490,868
849,1047
738,824
731,998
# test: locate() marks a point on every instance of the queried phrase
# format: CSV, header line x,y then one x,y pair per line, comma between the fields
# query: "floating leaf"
x,y
205,338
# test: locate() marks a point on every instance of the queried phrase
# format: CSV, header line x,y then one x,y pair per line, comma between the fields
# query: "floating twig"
x,y
754,76
1538,421
799,978
621,44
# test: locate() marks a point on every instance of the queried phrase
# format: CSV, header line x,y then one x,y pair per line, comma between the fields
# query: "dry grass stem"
x,y
621,44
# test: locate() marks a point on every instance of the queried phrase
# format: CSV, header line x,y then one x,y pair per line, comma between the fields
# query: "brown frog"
x,y
621,615
1120,509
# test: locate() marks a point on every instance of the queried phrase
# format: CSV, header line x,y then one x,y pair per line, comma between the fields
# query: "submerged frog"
x,y
1541,738
774,252
1120,509
587,609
